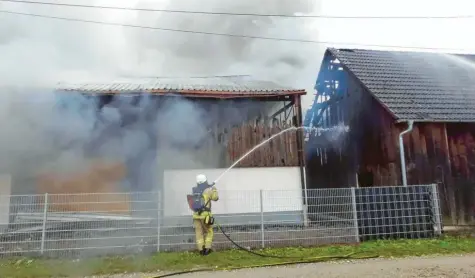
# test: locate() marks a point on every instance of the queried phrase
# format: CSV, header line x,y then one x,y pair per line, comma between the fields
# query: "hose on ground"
x,y
301,260
250,251
312,260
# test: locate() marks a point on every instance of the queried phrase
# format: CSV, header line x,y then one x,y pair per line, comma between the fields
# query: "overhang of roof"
x,y
198,87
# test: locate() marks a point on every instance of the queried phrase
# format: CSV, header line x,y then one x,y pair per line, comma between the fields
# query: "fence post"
x,y
45,219
355,213
305,215
261,197
159,219
436,209
305,206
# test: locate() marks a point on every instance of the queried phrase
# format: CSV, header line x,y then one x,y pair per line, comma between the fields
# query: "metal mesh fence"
x,y
76,225
398,212
261,219
80,224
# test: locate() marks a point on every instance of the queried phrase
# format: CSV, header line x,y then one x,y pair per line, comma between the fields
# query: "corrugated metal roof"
x,y
416,85
219,86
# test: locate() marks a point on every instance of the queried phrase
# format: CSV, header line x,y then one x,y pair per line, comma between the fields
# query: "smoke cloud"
x,y
82,52
285,62
44,131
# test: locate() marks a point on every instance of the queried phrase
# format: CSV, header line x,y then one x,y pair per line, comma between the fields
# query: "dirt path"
x,y
435,267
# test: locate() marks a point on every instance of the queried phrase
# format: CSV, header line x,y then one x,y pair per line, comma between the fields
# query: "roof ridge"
x,y
393,51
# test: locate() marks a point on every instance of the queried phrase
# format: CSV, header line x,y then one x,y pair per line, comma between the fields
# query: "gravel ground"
x,y
434,267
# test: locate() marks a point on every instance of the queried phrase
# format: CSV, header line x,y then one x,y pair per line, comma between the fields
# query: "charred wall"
x,y
331,164
369,155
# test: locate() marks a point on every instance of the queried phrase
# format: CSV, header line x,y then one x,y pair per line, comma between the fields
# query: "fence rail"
x,y
74,225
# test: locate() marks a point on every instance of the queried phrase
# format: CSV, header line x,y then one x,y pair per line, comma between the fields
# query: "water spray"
x,y
317,131
294,260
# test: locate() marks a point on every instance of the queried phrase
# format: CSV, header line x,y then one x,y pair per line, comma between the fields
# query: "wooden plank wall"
x,y
280,151
225,145
428,161
461,144
432,156
378,150
445,154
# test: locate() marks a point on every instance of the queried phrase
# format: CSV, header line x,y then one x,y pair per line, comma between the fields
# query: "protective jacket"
x,y
207,193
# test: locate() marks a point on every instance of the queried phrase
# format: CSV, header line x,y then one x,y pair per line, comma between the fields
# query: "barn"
x,y
427,99
196,125
163,132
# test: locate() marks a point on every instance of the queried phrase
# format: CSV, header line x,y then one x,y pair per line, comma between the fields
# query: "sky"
x,y
42,51
432,33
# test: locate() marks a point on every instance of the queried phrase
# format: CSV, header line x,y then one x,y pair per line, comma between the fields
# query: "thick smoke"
x,y
81,52
68,133
289,63
44,131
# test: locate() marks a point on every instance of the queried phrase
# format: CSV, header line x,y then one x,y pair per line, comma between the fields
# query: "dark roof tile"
x,y
416,85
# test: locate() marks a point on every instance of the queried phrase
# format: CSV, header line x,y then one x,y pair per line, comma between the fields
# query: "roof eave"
x,y
195,93
433,121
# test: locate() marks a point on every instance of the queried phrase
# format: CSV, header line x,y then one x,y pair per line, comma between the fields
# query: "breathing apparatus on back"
x,y
196,201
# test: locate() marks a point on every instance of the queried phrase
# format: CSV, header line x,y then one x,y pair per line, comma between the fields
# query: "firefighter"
x,y
200,203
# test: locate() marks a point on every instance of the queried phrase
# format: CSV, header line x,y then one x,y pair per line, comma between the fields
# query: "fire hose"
x,y
294,259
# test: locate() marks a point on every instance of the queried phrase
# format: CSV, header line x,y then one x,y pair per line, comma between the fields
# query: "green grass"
x,y
30,267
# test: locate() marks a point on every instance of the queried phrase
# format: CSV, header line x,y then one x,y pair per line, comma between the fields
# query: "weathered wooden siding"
x,y
280,151
224,146
424,149
423,153
461,145
379,159
432,156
